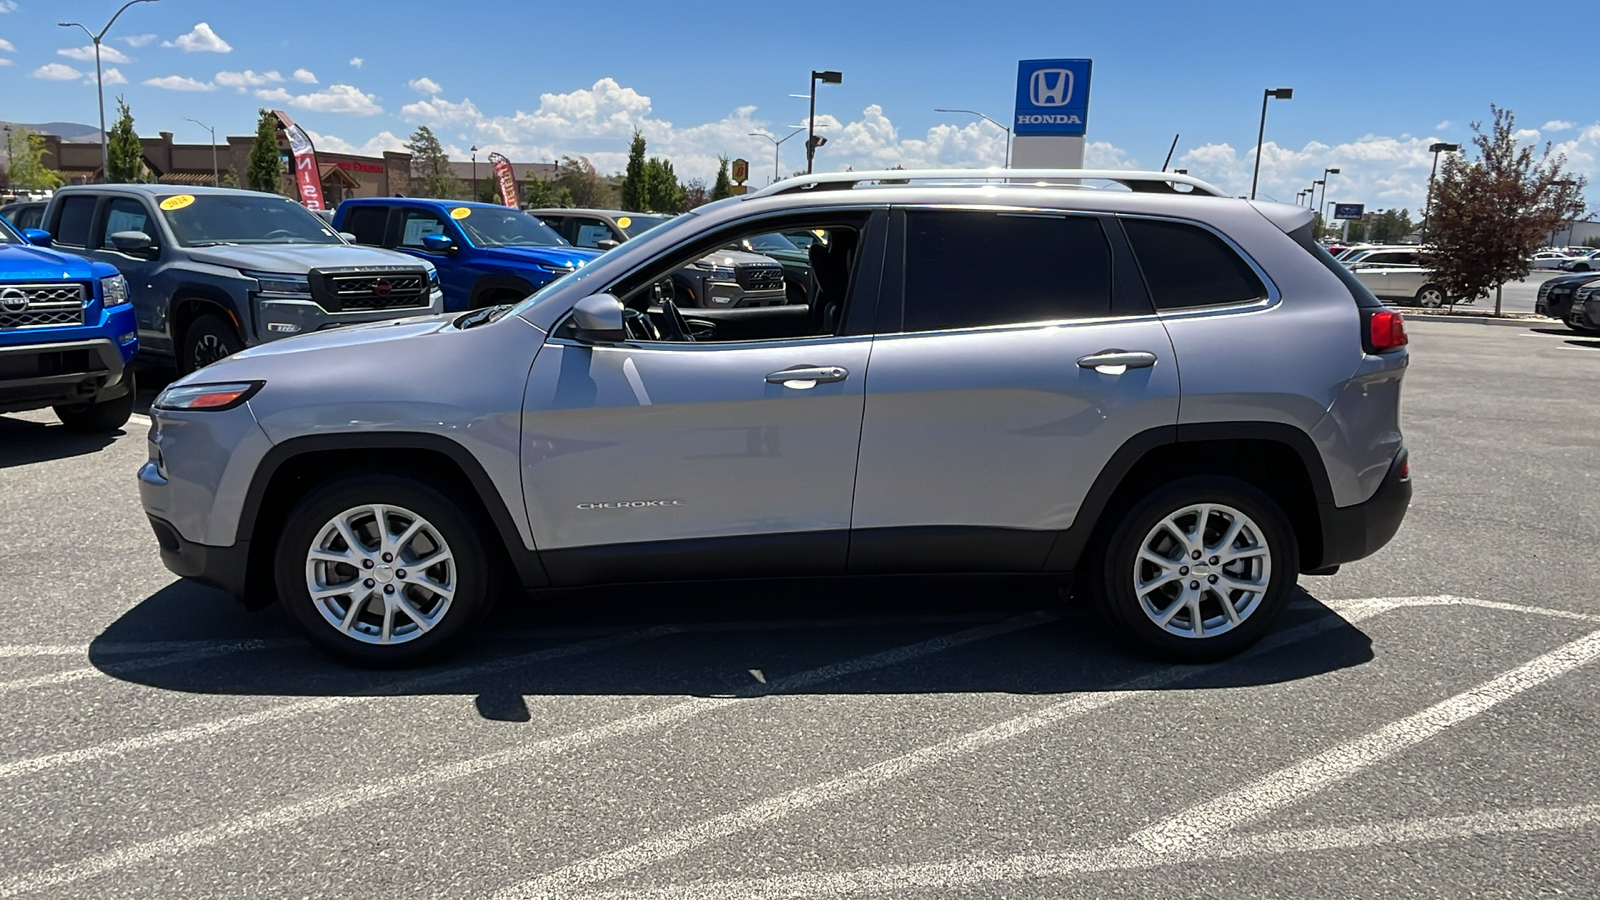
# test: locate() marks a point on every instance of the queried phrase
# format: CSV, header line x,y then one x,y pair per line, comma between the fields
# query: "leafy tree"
x,y
635,182
265,171
695,193
1592,241
663,193
125,154
1489,215
25,150
1356,231
1392,226
538,195
564,199
430,167
584,186
723,186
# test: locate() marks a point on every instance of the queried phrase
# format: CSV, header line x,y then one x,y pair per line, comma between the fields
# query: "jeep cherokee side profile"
x,y
1205,409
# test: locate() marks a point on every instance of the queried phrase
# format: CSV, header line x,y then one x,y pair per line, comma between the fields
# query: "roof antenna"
x,y
1169,152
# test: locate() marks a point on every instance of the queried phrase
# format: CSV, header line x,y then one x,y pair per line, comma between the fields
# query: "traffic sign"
x,y
1349,210
1052,97
741,170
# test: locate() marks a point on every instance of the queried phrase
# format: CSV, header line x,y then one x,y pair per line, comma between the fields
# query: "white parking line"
x,y
565,881
638,723
947,876
140,419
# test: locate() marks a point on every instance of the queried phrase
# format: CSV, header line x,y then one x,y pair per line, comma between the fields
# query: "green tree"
x,y
1592,241
635,182
265,171
564,199
538,195
584,186
1490,214
1392,226
25,150
663,193
125,154
723,186
430,167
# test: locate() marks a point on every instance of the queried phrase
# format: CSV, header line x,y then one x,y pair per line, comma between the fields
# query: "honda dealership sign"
x,y
1052,97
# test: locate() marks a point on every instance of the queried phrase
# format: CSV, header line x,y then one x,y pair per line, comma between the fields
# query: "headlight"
x,y
208,397
275,283
433,278
113,291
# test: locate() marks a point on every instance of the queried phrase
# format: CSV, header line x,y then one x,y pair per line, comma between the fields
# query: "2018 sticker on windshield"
x,y
461,212
177,201
624,222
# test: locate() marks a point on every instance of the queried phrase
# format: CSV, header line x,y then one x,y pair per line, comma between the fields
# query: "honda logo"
x,y
1050,87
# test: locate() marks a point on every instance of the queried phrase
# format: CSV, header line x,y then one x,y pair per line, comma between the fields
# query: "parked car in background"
x,y
1583,314
1390,254
1548,259
798,279
485,254
214,270
67,335
1403,283
1556,294
598,229
1585,263
24,215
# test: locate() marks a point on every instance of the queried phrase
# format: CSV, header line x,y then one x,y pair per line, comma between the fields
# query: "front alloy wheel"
x,y
381,574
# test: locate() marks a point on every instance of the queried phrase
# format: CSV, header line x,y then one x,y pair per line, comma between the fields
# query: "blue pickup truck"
x,y
486,254
67,334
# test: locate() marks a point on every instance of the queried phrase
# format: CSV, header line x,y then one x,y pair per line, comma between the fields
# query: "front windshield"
x,y
201,220
8,234
633,226
505,227
762,243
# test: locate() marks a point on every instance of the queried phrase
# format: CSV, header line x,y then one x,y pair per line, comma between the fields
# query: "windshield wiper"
x,y
214,243
479,317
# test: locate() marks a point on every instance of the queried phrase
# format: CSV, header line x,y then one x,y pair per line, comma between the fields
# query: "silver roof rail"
x,y
1133,179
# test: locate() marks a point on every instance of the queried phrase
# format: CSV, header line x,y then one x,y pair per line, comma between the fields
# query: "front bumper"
x,y
1581,314
1353,532
219,567
277,318
33,376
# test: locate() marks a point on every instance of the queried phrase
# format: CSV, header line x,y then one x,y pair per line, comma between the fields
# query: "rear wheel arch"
x,y
489,290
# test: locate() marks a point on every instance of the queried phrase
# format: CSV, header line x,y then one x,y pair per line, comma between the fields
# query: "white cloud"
x,y
1446,125
86,54
438,111
179,83
8,6
137,40
383,140
247,79
1559,125
338,98
7,46
304,76
56,72
200,39
4,61
422,85
110,76
1522,135
356,61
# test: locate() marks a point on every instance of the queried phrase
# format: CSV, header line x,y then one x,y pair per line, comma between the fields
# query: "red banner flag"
x,y
307,177
507,179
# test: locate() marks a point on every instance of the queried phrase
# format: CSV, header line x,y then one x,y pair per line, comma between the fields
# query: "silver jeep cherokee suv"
x,y
1174,396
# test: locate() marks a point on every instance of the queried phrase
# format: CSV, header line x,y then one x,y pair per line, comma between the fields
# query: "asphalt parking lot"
x,y
1421,724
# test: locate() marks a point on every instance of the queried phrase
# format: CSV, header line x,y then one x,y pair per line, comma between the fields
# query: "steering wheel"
x,y
677,327
638,326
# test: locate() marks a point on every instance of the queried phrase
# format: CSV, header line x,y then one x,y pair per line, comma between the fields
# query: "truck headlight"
x,y
433,279
113,291
276,283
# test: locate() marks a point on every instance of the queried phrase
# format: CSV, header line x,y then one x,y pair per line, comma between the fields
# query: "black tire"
x,y
1110,565
460,532
207,339
1431,296
100,416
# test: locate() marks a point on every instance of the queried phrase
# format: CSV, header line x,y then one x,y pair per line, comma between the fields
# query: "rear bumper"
x,y
219,567
33,376
1353,532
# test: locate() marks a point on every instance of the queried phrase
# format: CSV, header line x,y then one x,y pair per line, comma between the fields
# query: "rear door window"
x,y
971,269
1186,266
367,224
75,220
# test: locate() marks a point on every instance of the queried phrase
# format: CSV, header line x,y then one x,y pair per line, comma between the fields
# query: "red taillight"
x,y
1405,468
1387,330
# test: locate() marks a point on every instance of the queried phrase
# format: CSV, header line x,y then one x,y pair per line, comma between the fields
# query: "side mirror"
x,y
37,236
438,243
599,319
348,237
132,242
606,243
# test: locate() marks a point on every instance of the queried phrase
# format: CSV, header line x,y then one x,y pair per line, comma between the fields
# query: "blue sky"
x,y
1374,82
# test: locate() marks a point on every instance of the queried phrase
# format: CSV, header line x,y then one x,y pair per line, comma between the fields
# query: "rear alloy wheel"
x,y
1199,569
382,570
1431,296
208,339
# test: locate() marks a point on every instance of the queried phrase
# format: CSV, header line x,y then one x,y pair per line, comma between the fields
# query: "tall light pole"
x,y
474,153
1324,183
1311,195
213,131
776,145
827,77
991,122
99,81
1261,133
1435,149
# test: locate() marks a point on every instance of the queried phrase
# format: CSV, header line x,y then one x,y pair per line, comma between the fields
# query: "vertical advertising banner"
x,y
507,180
307,178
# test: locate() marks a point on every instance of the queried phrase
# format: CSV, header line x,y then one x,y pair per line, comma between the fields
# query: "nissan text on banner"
x,y
507,180
307,177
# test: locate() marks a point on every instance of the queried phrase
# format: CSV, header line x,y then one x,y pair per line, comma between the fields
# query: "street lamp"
x,y
776,145
99,82
827,77
1261,133
1435,149
474,152
1324,183
214,182
991,122
1311,195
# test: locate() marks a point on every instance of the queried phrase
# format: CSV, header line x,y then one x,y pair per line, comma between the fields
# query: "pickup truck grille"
x,y
760,278
40,305
368,291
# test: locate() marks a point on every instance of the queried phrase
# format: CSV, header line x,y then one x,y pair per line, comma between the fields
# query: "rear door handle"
x,y
1115,362
806,377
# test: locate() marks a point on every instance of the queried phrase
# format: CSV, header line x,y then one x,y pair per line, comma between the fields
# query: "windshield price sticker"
x,y
461,212
624,222
178,201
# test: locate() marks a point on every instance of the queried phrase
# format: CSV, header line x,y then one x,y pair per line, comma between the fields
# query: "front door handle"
x,y
1115,362
806,377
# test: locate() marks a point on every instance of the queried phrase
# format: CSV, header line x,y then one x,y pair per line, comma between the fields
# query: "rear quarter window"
x,y
1186,266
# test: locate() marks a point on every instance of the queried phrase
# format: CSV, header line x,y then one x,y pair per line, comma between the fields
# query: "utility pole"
x,y
99,82
828,77
214,181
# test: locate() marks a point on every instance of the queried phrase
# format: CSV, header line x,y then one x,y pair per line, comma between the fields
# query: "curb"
x,y
1485,320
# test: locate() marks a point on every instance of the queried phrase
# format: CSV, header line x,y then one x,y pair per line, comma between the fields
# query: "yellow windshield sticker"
x,y
624,222
178,201
461,212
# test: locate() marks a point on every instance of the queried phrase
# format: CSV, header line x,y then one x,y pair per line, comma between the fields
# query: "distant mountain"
x,y
71,132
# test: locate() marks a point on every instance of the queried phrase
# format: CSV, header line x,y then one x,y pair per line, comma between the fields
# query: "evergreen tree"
x,y
723,186
125,154
430,167
636,181
265,171
25,150
663,193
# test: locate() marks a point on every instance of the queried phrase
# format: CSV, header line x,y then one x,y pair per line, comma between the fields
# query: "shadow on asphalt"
x,y
23,442
1590,344
723,631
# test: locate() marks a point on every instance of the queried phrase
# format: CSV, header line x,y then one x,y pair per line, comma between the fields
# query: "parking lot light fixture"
x,y
1435,149
99,80
1324,183
213,131
828,76
991,122
1261,133
777,146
